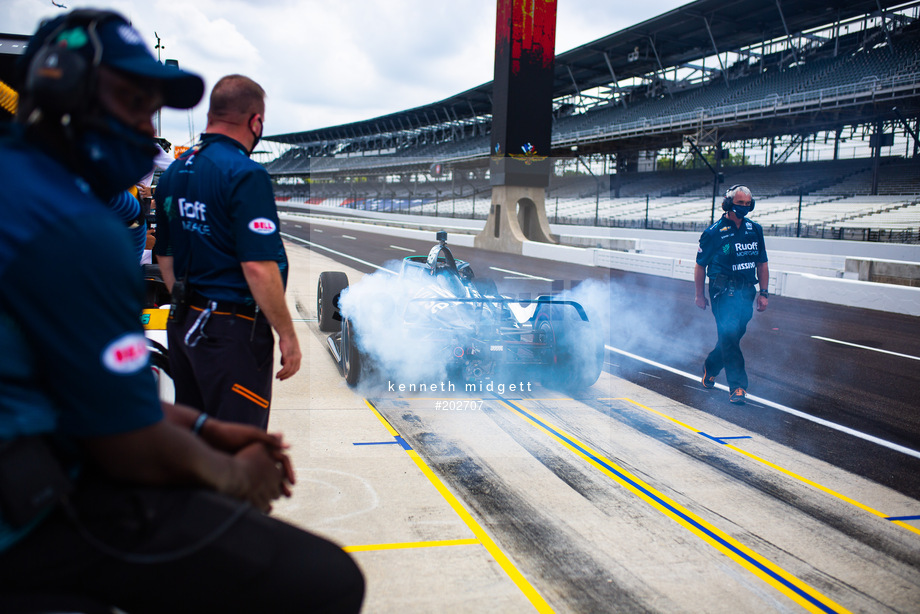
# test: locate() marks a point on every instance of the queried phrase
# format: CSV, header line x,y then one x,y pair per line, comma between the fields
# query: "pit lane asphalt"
x,y
621,499
654,318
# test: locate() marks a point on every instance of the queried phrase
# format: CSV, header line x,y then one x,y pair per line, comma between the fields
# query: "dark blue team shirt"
x,y
216,209
733,251
128,209
73,358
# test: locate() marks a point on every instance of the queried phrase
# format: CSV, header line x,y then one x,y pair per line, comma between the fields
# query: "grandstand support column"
x,y
517,214
522,115
876,144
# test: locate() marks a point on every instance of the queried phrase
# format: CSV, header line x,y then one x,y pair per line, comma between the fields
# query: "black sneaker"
x,y
737,396
709,381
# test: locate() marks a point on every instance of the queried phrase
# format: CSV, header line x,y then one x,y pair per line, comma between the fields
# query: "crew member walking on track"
x,y
221,255
108,497
733,255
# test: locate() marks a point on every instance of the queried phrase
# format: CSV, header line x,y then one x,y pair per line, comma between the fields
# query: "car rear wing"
x,y
555,314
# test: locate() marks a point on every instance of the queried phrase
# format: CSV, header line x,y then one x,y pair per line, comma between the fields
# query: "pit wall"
x,y
815,276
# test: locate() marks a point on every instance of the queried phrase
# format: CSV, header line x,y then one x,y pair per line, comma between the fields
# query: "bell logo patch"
x,y
127,354
262,226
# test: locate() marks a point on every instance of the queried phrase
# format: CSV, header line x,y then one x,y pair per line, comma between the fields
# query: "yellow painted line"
x,y
408,545
833,493
491,547
782,470
797,590
654,411
384,421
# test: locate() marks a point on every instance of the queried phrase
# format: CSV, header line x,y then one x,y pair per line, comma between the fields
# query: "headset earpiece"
x,y
727,203
59,79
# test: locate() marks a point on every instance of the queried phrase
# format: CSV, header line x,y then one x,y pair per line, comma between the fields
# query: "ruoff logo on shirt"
x,y
262,226
127,354
746,247
193,210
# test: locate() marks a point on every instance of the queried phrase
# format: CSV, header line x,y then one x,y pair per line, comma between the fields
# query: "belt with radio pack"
x,y
722,284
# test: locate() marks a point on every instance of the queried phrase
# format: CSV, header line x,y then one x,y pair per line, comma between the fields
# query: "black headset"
x,y
60,80
727,202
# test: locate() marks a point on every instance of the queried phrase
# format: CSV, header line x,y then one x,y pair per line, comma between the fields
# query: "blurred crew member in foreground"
x,y
108,496
733,255
221,256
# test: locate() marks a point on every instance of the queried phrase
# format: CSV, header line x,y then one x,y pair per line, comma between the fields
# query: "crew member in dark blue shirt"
x,y
218,235
733,256
105,492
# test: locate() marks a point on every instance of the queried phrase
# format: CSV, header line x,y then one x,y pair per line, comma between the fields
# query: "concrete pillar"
x,y
517,214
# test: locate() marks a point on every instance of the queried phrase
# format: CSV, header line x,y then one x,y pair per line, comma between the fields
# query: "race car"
x,y
153,318
434,319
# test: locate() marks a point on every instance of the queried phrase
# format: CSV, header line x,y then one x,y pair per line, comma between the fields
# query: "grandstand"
x,y
814,105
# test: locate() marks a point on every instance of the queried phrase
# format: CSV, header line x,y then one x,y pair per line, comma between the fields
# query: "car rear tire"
x,y
576,353
581,354
330,286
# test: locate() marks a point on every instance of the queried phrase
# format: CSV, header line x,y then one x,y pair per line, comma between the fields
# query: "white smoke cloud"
x,y
379,306
412,333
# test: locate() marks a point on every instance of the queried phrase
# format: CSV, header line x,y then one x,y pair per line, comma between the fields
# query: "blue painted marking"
x,y
722,440
893,518
397,440
652,495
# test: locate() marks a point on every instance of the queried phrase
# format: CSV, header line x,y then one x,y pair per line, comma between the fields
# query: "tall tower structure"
x,y
522,113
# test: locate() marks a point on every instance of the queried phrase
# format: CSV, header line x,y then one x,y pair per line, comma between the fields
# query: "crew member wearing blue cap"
x,y
109,497
733,256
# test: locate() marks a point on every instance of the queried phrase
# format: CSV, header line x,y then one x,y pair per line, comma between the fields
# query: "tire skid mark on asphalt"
x,y
797,590
695,447
811,483
562,560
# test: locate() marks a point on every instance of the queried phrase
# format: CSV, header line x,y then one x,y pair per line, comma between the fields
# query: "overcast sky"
x,y
329,62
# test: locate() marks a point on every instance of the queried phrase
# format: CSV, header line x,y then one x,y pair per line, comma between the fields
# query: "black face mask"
x,y
114,156
257,136
741,211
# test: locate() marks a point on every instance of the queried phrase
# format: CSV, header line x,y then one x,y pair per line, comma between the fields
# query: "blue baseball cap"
x,y
108,39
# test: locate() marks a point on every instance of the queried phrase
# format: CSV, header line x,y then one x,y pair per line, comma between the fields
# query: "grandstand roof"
x,y
682,35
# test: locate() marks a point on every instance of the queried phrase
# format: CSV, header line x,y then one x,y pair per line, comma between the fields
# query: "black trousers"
x,y
732,310
227,372
162,550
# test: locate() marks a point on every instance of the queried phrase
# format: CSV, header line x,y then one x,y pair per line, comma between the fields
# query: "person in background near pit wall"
x,y
221,255
108,497
733,256
145,190
161,162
